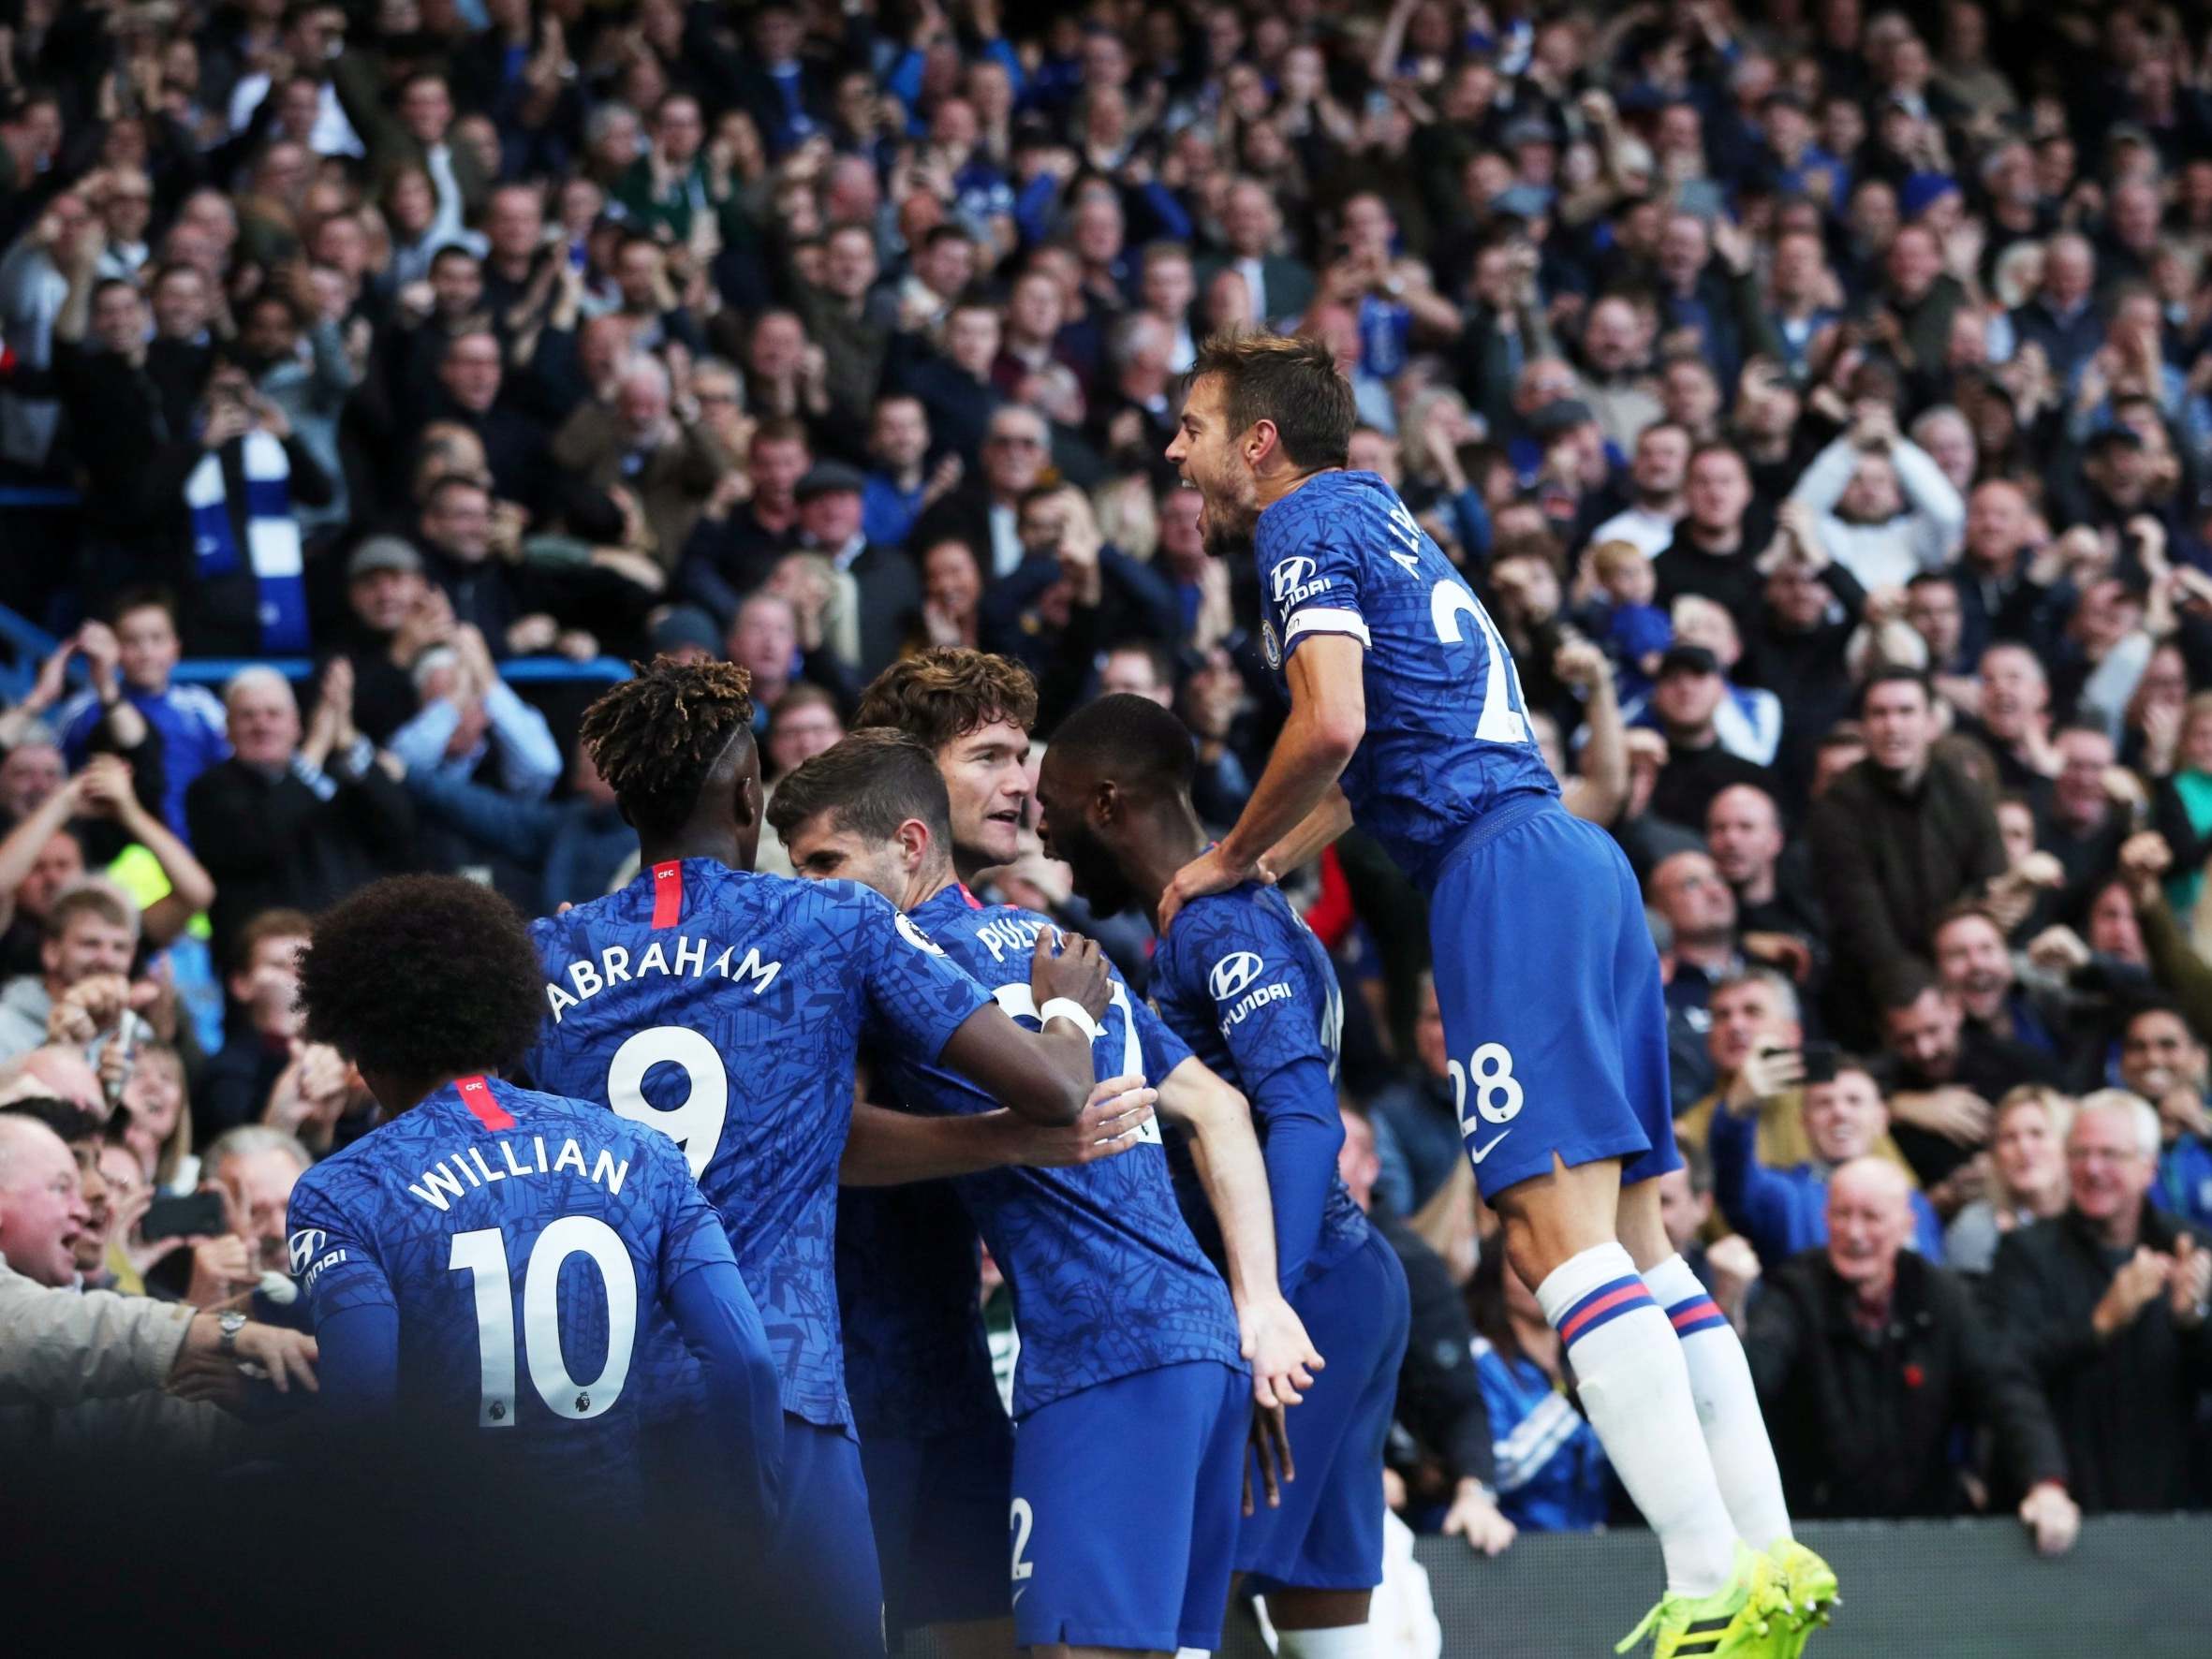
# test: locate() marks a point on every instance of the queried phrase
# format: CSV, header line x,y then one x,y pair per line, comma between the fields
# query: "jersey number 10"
x,y
482,1254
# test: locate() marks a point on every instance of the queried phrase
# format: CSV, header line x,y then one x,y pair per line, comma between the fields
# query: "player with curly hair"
x,y
726,1009
434,1254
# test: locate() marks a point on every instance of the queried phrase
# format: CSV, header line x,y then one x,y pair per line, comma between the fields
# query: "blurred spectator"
x,y
131,662
1552,1473
2026,1177
295,818
85,990
1869,1357
2107,1305
1941,1077
1897,839
1884,509
1415,1127
262,1026
1783,1211
65,1348
2162,1062
1441,1402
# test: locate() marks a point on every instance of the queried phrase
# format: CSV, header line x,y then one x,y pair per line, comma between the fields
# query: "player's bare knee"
x,y
1553,1218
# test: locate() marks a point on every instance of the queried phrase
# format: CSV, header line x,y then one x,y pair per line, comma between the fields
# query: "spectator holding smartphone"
x,y
1782,1212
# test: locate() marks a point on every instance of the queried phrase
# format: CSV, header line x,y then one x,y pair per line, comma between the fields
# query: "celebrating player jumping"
x,y
1407,717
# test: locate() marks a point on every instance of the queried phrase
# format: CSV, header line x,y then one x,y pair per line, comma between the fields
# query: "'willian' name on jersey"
x,y
440,1186
590,975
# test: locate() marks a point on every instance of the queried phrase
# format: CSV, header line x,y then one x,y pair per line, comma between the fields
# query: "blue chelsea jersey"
x,y
1242,981
726,1009
1447,737
524,1242
1106,1277
909,1295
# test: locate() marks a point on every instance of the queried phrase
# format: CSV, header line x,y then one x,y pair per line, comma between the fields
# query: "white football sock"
x,y
1635,1391
1342,1641
1727,1404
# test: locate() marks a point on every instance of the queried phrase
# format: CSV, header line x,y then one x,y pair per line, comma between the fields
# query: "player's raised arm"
x,y
888,1148
1225,1153
1328,718
1045,1076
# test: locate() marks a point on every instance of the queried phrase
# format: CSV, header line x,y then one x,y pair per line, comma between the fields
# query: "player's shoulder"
x,y
1322,509
1241,917
353,1171
1236,940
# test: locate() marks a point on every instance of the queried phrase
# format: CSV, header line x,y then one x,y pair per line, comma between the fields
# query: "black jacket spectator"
x,y
298,838
2128,1407
1891,858
1865,1419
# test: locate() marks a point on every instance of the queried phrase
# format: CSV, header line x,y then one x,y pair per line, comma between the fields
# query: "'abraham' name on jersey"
x,y
686,960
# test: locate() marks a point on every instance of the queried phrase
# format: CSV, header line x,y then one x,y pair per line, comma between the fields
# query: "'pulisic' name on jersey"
x,y
1007,938
590,975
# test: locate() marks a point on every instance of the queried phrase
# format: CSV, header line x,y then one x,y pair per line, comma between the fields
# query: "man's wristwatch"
x,y
230,1324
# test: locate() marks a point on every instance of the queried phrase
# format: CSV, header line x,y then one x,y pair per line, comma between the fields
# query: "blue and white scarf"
x,y
272,537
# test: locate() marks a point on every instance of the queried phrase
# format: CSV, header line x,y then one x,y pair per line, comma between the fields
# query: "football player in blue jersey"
x,y
726,1009
1242,979
489,1258
1405,716
935,1444
1129,1337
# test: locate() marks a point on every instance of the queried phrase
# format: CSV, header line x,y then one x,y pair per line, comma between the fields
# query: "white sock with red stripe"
x,y
1635,1391
1728,1404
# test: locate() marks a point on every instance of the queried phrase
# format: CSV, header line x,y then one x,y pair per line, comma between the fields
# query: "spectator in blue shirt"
x,y
142,644
2162,1061
1782,1212
470,716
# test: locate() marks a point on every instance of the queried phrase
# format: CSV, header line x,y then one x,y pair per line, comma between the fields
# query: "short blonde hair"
x,y
1610,558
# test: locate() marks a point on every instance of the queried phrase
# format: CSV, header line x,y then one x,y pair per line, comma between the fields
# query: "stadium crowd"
x,y
1818,396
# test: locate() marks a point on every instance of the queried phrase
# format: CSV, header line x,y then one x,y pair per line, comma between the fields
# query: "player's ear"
x,y
1106,801
1260,441
913,839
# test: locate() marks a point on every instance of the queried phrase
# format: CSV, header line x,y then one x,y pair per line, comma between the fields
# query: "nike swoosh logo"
x,y
1479,1153
1018,1595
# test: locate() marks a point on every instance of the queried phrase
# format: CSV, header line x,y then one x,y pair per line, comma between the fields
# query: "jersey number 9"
x,y
696,1125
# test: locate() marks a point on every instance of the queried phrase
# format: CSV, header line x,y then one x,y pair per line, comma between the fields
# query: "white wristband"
x,y
1067,1008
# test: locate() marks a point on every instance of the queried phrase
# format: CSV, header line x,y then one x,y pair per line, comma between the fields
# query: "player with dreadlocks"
x,y
726,1009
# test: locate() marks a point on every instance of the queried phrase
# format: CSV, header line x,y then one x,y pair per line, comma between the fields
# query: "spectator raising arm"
x,y
107,791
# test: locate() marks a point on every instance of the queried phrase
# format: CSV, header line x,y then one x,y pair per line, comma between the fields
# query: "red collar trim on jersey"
x,y
973,902
476,1094
667,894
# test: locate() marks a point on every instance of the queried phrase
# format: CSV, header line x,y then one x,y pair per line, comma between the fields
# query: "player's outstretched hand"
x,y
1283,1357
1113,1119
1270,1451
1076,973
1209,873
